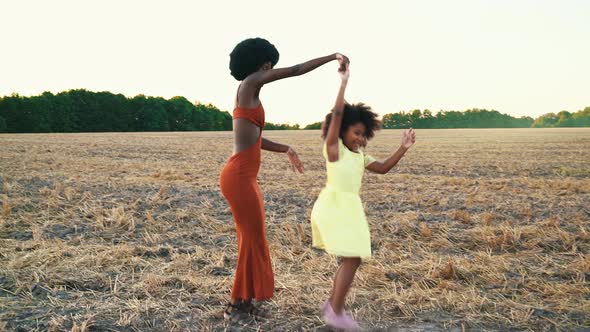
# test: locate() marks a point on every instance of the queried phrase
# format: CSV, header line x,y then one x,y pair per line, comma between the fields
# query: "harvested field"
x,y
475,229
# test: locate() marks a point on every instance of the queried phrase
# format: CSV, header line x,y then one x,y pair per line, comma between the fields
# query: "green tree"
x,y
581,118
2,125
547,120
396,120
284,126
149,113
63,118
315,125
179,114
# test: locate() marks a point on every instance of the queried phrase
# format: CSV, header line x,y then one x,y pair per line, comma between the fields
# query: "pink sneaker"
x,y
325,307
342,321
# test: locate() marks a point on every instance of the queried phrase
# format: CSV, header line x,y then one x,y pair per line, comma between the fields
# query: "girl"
x,y
339,225
252,62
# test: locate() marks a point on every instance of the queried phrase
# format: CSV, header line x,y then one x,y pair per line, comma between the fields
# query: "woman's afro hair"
x,y
249,55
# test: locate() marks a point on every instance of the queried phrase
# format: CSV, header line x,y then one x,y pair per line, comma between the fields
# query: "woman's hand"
x,y
294,160
343,61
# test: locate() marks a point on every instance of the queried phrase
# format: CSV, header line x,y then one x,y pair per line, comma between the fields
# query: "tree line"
x,y
564,119
478,118
86,111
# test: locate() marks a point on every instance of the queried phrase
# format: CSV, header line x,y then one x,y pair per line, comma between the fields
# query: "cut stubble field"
x,y
474,229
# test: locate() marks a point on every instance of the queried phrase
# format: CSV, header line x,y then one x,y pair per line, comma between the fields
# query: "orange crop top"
x,y
254,115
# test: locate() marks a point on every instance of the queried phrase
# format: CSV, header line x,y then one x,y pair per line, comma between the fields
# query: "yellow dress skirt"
x,y
338,222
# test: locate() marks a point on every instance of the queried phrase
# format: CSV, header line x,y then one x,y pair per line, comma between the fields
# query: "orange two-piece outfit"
x,y
254,278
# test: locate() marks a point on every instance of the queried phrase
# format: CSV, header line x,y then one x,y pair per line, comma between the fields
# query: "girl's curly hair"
x,y
355,113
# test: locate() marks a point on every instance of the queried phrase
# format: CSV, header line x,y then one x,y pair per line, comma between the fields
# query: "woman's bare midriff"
x,y
245,134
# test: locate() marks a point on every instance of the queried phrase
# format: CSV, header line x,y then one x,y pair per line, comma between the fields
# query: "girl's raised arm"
x,y
336,120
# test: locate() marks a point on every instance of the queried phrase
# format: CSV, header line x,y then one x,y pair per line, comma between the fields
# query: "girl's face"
x,y
354,137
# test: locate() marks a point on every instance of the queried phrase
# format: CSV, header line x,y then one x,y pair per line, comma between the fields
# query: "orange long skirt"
x,y
254,278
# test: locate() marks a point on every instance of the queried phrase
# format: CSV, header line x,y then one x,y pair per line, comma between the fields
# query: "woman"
x,y
252,62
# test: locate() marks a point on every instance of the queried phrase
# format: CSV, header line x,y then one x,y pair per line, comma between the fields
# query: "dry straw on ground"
x,y
128,232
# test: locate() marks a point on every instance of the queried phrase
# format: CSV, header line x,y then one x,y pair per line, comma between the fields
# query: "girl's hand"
x,y
408,138
294,160
345,74
343,61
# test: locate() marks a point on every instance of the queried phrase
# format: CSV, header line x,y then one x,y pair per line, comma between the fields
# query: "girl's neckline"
x,y
357,152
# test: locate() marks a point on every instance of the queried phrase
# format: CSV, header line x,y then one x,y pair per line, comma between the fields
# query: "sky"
x,y
520,57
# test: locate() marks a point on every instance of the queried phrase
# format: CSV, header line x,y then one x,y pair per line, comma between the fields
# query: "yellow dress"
x,y
338,222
